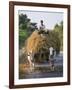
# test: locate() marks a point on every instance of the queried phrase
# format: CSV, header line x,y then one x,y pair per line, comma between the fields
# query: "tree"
x,y
23,21
59,30
26,27
54,41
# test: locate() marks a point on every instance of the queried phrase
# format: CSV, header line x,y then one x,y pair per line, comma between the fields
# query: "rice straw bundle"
x,y
36,42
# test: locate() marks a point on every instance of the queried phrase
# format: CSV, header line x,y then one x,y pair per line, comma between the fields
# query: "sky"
x,y
49,18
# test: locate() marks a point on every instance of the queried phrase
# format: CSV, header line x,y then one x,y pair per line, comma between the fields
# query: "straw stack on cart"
x,y
36,42
39,44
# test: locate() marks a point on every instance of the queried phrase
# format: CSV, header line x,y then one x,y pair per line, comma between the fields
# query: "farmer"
x,y
42,30
51,57
42,26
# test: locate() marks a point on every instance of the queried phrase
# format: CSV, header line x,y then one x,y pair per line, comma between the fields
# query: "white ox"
x,y
30,58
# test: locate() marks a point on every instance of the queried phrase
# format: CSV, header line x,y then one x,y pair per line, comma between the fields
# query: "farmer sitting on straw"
x,y
42,29
42,26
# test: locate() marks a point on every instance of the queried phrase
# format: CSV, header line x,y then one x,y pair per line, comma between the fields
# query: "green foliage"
x,y
54,40
59,30
23,21
25,28
23,34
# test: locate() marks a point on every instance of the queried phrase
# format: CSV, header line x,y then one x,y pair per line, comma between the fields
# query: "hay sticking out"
x,y
36,42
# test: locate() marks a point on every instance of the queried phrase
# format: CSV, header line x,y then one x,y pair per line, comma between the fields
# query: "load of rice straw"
x,y
36,43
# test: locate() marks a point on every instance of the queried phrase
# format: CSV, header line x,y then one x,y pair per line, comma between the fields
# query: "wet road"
x,y
58,72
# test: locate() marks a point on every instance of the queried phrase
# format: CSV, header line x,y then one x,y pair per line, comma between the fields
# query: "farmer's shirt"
x,y
42,27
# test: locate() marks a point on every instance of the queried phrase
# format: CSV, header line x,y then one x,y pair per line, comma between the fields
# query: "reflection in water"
x,y
43,70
